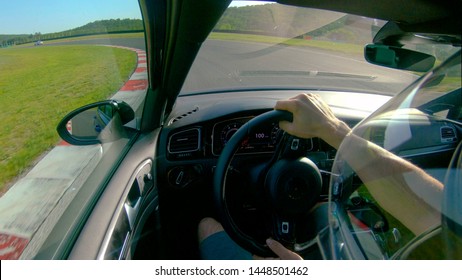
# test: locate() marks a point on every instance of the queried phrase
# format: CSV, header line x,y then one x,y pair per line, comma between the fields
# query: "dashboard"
x,y
200,126
206,140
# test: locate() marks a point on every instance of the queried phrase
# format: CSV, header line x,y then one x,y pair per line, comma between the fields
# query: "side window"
x,y
53,61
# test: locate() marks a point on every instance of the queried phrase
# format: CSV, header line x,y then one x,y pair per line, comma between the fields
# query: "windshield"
x,y
274,46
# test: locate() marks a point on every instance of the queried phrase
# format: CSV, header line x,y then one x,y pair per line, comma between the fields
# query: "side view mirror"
x,y
96,123
398,58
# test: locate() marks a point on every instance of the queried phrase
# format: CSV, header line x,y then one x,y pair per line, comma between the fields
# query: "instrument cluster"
x,y
262,140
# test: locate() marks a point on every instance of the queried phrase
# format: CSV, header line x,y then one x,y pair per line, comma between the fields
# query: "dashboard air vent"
x,y
448,134
186,141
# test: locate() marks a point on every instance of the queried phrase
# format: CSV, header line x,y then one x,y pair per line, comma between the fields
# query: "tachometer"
x,y
228,131
276,132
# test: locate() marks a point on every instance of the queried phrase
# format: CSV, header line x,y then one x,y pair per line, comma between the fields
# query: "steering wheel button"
x,y
295,144
285,227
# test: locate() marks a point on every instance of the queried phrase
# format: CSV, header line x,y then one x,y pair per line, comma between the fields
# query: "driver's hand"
x,y
282,252
312,117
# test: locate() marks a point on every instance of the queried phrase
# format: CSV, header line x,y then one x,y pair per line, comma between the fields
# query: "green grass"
x,y
39,86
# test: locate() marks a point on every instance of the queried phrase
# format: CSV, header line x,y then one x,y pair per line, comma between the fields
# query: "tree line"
x,y
96,27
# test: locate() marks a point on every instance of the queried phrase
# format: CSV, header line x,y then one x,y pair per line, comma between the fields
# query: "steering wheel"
x,y
290,187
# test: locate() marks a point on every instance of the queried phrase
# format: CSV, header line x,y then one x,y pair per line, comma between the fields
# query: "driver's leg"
x,y
215,244
208,226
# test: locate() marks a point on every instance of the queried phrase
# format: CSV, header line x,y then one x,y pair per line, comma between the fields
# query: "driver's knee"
x,y
208,226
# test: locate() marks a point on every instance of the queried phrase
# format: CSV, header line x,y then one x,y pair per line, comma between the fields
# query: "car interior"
x,y
185,165
196,131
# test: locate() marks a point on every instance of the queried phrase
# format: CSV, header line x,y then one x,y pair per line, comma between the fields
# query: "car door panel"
x,y
113,228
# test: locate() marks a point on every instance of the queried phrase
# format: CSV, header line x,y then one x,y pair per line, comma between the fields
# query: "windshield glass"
x,y
274,46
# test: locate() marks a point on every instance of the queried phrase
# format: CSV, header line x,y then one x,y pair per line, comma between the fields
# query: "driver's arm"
x,y
376,167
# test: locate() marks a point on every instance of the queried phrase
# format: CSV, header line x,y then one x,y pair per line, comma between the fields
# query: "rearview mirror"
x,y
96,123
398,58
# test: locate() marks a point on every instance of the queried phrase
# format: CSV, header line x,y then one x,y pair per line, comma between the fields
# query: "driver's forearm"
x,y
401,188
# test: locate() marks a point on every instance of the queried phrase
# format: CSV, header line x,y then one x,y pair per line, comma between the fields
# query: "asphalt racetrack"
x,y
228,64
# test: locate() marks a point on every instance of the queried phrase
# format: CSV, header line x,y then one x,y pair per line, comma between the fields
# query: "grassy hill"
x,y
290,22
274,20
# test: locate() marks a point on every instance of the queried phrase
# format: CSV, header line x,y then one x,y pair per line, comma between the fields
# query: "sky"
x,y
246,3
47,16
